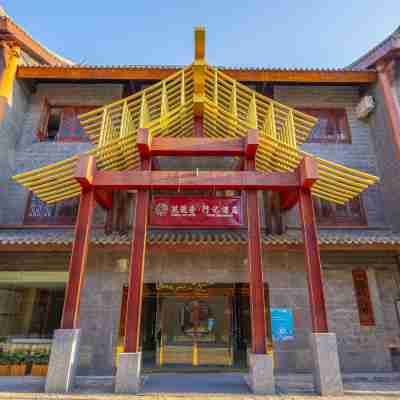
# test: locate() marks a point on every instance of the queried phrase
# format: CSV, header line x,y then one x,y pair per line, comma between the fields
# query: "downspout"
x,y
11,57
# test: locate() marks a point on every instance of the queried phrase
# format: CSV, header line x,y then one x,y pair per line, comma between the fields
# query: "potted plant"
x,y
40,362
5,364
18,361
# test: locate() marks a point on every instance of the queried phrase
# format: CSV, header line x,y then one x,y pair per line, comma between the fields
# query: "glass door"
x,y
195,330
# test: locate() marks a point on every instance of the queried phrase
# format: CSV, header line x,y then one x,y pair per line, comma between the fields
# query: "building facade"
x,y
195,306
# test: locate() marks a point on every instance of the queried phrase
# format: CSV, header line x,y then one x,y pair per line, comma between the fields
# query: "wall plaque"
x,y
204,211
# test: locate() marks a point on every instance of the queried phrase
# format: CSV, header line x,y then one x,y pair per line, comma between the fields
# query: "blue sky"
x,y
279,33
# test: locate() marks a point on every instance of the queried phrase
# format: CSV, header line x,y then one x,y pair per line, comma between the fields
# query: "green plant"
x,y
39,358
5,358
3,339
18,358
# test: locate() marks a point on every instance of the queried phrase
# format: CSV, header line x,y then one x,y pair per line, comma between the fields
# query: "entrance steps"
x,y
206,383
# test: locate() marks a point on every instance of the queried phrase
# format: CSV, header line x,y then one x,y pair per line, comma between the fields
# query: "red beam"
x,y
104,198
308,171
251,143
77,263
312,261
144,142
194,146
186,180
85,170
308,175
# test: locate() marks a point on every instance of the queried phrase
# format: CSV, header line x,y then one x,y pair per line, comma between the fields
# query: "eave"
x,y
9,31
91,73
190,247
388,49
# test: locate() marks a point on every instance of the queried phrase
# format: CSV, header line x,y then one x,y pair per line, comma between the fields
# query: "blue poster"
x,y
282,324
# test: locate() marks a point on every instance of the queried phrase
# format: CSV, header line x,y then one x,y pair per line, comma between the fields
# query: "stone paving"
x,y
170,386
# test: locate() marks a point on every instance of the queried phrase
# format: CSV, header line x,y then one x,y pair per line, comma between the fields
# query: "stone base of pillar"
x,y
63,362
261,378
127,378
327,375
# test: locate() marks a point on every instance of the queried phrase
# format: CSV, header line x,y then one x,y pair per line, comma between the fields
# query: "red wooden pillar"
x,y
312,261
77,263
136,268
254,249
391,102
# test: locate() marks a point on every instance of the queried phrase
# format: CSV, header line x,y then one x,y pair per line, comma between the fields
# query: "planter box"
x,y
39,370
18,370
5,370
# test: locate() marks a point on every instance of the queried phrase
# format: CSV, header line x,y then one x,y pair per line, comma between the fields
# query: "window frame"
x,y
337,221
338,114
47,221
42,130
363,300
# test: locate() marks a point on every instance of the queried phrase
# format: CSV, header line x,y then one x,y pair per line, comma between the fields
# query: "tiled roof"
x,y
4,18
42,237
178,67
378,51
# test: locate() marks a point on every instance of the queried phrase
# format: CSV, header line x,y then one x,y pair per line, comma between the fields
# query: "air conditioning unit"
x,y
365,107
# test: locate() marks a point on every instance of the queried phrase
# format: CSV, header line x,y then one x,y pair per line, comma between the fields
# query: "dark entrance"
x,y
195,326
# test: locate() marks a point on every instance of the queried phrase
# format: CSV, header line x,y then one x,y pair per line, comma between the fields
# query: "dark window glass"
x,y
62,124
62,213
329,213
332,125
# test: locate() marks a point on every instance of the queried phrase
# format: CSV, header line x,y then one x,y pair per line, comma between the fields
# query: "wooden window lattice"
x,y
363,298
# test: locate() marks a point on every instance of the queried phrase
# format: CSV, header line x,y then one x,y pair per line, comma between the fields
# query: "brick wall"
x,y
31,154
359,154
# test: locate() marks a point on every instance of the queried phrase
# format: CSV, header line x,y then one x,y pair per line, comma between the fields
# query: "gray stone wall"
x,y
387,160
106,275
10,133
360,348
30,153
360,153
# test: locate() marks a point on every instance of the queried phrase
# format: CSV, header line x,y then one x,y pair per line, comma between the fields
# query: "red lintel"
x,y
193,146
187,180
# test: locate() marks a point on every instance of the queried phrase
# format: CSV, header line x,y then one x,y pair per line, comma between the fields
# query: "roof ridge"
x,y
358,61
5,17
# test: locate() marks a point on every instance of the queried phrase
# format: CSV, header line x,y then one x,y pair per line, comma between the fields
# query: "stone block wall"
x,y
387,160
10,133
360,348
360,153
30,153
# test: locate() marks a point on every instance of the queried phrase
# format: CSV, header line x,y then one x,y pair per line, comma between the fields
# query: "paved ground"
x,y
170,386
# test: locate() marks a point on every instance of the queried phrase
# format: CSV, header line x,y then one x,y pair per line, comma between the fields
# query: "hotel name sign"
x,y
196,211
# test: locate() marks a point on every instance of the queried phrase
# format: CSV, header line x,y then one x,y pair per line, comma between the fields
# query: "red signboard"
x,y
196,211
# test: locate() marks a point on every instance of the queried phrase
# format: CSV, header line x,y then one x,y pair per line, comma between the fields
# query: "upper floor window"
x,y
261,87
332,125
61,213
61,123
329,213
